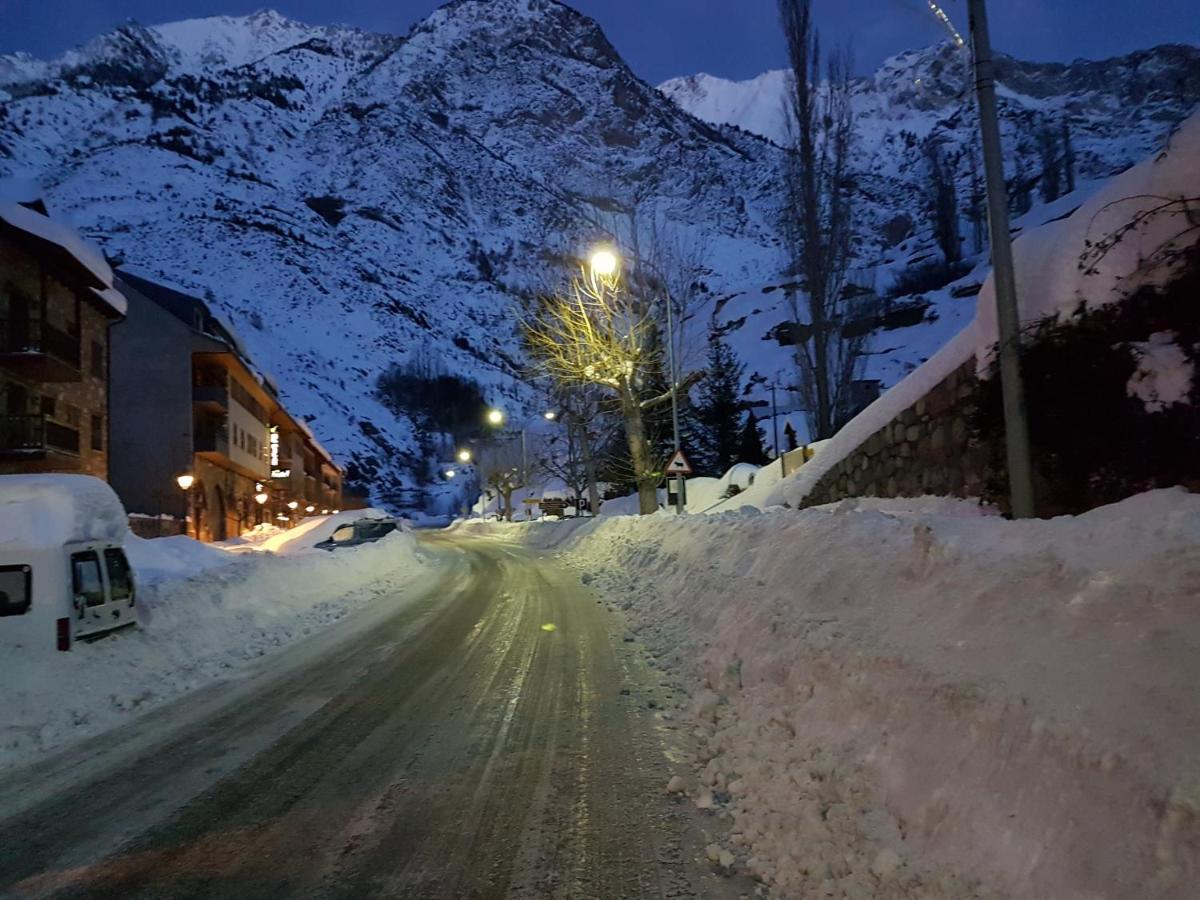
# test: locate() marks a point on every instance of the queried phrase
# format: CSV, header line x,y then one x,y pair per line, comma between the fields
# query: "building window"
x,y
97,359
97,432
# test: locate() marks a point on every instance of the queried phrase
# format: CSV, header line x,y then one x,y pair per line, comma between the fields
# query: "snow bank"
x,y
911,698
230,610
1050,277
45,511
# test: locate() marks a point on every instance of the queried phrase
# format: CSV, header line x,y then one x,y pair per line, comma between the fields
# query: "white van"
x,y
63,573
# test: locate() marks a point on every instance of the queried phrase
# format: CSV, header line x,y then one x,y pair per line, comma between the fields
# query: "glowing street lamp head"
x,y
495,417
464,456
185,482
310,508
450,473
261,498
604,263
292,504
550,415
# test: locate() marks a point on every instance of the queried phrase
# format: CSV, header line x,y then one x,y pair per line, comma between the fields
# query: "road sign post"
x,y
678,466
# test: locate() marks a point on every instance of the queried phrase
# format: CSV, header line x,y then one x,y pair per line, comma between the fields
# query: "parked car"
x,y
362,531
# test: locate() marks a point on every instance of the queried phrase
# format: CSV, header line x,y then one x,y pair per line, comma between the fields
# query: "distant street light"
x,y
185,482
261,497
293,504
450,473
310,508
495,417
549,415
464,455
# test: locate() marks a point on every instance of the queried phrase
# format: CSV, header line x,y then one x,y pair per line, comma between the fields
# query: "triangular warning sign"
x,y
678,464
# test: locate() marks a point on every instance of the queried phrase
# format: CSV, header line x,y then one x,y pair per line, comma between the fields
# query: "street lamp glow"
x,y
550,415
310,508
185,482
495,417
260,498
604,262
293,504
464,456
450,473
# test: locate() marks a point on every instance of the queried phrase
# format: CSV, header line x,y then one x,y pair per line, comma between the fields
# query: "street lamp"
x,y
310,508
604,262
261,497
549,415
450,473
292,504
495,417
185,481
464,455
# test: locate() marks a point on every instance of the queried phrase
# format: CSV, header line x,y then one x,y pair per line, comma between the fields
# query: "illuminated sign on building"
x,y
275,449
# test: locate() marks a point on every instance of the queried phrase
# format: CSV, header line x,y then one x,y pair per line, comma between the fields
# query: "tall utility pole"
x,y
775,427
1016,427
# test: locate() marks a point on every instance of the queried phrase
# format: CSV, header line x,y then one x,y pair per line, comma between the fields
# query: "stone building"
x,y
201,441
57,304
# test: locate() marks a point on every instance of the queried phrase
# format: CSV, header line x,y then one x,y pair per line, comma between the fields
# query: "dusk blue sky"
x,y
663,38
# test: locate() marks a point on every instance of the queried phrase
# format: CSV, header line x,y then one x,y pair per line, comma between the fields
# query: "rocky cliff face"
x,y
347,199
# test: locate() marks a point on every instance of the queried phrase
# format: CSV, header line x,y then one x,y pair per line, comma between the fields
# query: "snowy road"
x,y
453,748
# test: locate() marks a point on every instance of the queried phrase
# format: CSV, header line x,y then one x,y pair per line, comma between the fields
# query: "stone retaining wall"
x,y
927,449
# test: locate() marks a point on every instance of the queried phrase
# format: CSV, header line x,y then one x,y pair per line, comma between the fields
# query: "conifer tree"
x,y
750,446
719,407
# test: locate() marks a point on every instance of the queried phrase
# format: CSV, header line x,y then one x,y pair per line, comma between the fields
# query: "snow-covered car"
x,y
362,531
63,570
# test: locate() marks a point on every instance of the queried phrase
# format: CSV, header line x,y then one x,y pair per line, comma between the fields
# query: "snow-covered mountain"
x,y
1114,113
349,199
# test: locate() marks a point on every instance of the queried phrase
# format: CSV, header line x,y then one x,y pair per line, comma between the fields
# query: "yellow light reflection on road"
x,y
549,626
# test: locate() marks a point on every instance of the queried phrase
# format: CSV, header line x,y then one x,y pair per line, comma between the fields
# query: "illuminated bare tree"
x,y
599,333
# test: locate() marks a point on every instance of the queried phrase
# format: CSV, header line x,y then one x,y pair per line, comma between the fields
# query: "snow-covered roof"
x,y
47,229
44,511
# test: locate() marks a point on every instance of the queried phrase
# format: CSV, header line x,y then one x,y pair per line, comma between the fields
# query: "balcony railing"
x,y
37,337
36,434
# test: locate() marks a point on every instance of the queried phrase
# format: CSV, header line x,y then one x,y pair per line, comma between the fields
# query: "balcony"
x,y
212,443
212,398
37,351
35,436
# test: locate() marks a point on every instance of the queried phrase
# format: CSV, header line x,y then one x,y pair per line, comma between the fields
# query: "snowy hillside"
x,y
346,199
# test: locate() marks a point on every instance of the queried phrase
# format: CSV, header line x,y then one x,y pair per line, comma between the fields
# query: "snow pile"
x,y
1164,373
1076,260
45,511
903,698
231,610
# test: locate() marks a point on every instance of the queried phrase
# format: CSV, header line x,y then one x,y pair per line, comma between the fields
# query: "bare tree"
x,y
818,217
943,200
501,466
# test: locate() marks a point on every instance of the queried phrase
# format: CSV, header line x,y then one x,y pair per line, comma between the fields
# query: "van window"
x,y
16,589
120,578
343,534
85,578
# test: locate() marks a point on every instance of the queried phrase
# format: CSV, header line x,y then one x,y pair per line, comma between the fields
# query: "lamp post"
x,y
185,482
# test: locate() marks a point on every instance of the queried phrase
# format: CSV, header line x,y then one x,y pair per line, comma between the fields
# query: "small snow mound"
x,y
1164,374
